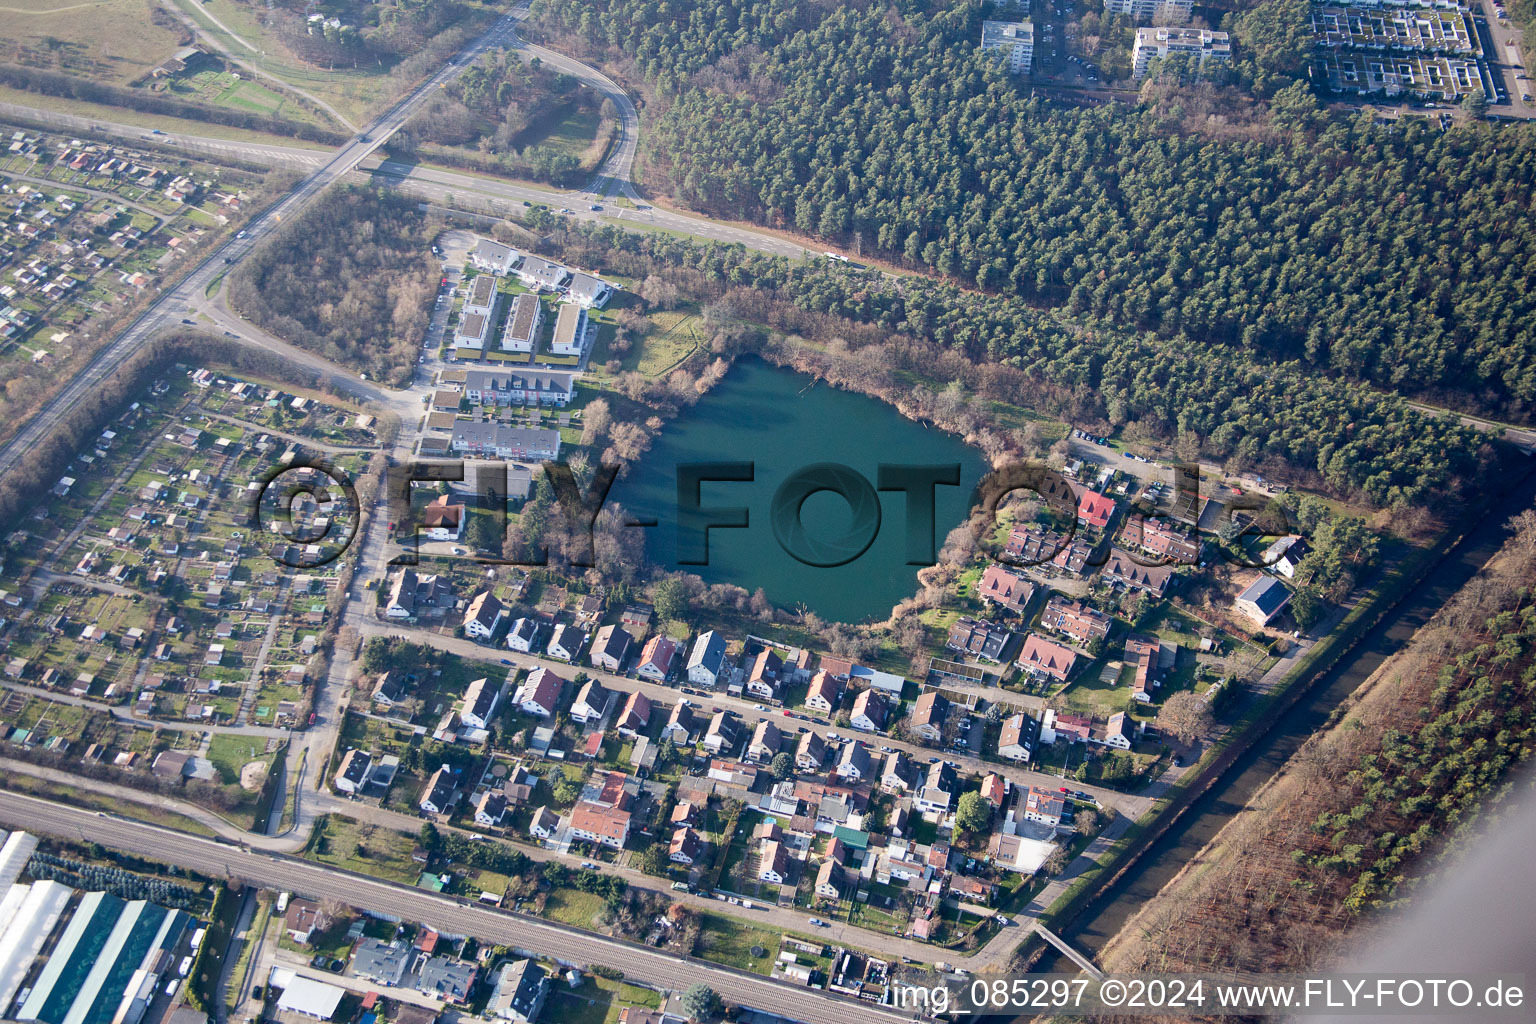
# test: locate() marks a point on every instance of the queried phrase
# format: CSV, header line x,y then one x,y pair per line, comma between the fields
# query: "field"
x,y
115,41
596,1001
366,849
572,134
729,942
230,89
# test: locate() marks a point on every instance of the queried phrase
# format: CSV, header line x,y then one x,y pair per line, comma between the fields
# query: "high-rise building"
x,y
1199,44
1012,41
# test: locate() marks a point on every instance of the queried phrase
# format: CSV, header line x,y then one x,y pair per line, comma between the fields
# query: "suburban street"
x,y
531,934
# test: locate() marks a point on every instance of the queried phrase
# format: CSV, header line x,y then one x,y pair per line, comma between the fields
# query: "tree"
x,y
782,766
1186,716
429,836
701,1002
974,813
653,860
670,598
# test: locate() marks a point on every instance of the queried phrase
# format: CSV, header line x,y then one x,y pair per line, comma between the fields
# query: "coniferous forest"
x,y
1389,253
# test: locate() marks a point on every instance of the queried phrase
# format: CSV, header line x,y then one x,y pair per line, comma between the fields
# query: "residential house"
x,y
1151,579
447,979
765,742
301,919
1284,555
1158,536
1017,737
490,808
763,675
412,596
829,879
656,659
900,774
565,643
353,771
825,693
1043,659
539,693
570,330
1005,588
520,330
938,791
810,752
519,992
1044,806
1142,653
978,638
707,660
443,518
508,387
685,846
592,702
483,615
1076,619
681,728
379,962
544,824
439,793
994,790
1094,510
635,715
869,711
604,818
493,257
928,716
588,291
494,439
773,862
610,649
724,733
524,635
480,704
853,764
1262,600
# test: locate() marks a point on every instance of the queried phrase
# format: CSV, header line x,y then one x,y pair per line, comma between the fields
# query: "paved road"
x,y
295,154
166,310
663,970
1133,806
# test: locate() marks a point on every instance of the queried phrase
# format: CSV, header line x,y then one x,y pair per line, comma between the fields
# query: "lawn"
x,y
597,1001
729,942
571,134
575,908
116,42
229,752
366,849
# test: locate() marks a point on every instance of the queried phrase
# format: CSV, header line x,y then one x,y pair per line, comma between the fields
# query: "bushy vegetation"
x,y
122,884
1394,254
351,280
500,105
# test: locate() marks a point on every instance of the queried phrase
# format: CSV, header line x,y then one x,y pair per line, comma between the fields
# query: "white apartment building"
x,y
1164,12
477,320
1199,44
1010,41
522,327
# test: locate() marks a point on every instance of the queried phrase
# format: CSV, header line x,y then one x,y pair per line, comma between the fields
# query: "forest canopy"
x,y
351,280
1393,254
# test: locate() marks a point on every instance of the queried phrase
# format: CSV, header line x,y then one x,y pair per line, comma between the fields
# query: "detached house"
x,y
765,743
539,693
825,694
635,715
869,711
480,704
656,659
928,716
707,660
1017,738
591,703
681,728
763,675
439,793
1005,588
610,649
482,616
1045,660
810,752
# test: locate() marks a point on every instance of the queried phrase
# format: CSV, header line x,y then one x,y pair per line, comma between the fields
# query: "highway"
x,y
530,934
168,309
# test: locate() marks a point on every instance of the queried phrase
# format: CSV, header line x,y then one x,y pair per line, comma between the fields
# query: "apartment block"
x,y
1200,45
1010,41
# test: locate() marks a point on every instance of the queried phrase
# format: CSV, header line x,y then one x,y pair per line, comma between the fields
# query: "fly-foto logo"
x,y
814,544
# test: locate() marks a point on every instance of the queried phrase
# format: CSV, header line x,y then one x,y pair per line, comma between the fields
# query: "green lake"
x,y
781,422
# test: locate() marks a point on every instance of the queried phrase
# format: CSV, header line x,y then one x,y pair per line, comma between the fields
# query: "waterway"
x,y
1207,815
782,421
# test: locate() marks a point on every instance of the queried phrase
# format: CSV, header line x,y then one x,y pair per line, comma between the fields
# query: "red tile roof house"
x,y
1094,510
635,715
657,658
1040,657
1005,588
